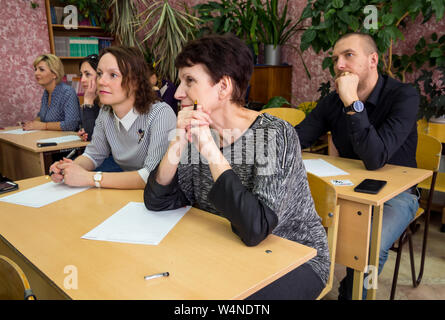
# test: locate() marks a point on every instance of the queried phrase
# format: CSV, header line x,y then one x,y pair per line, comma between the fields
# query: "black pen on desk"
x,y
157,275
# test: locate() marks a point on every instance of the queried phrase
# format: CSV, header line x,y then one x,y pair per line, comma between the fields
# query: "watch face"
x,y
358,106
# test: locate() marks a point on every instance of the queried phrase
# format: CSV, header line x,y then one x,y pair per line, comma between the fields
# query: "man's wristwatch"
x,y
97,178
356,106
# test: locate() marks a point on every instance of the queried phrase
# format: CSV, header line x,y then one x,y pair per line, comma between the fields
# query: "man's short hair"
x,y
369,40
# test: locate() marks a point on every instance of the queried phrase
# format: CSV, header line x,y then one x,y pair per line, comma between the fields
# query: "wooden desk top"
x,y
398,178
28,141
205,259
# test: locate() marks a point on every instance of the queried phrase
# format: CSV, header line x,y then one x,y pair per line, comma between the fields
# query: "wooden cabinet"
x,y
270,81
71,64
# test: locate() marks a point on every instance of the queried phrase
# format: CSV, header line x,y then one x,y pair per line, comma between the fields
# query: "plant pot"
x,y
440,119
272,56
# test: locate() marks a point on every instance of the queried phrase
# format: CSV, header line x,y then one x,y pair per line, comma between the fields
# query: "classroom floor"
x,y
432,286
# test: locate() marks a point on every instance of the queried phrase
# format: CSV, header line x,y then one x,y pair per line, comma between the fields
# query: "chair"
x,y
428,154
325,200
436,130
13,283
291,115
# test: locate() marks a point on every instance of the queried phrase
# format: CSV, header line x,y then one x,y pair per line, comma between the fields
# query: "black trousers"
x,y
301,283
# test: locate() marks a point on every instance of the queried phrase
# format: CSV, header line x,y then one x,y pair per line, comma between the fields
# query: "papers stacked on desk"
x,y
135,224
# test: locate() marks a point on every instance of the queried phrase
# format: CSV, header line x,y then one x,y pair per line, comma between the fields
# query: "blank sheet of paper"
x,y
18,131
61,139
321,168
43,194
134,223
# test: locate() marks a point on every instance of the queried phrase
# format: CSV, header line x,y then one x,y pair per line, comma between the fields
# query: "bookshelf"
x,y
71,64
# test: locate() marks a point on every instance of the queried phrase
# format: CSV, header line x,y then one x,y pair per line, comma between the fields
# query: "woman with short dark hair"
x,y
238,163
132,125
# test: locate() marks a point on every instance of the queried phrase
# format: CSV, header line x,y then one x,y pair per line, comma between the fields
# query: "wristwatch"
x,y
97,178
356,106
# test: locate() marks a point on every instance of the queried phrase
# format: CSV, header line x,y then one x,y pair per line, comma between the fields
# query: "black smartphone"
x,y
370,186
6,186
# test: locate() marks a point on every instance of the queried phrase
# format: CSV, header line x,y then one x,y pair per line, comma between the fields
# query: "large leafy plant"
x,y
124,22
167,29
237,17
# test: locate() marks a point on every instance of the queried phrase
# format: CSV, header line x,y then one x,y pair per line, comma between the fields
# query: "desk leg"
x,y
375,250
357,288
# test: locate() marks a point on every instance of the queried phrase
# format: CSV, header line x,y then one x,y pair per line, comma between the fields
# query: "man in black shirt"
x,y
373,118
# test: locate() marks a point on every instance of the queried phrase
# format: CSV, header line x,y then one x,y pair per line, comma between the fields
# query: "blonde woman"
x,y
59,109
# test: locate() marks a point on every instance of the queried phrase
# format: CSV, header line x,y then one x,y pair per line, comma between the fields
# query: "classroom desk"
x,y
357,209
20,158
205,259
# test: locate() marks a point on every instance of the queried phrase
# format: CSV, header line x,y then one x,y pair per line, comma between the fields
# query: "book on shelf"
x,y
62,46
83,46
58,15
53,15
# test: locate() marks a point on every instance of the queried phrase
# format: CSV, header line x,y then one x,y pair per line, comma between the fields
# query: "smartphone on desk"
x,y
370,186
6,186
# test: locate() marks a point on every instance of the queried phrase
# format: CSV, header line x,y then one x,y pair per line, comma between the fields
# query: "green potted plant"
x,y
275,29
237,17
167,29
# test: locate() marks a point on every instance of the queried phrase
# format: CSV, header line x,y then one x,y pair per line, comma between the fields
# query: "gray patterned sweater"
x,y
265,192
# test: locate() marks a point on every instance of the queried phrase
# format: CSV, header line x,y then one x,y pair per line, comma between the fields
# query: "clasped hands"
x,y
194,126
70,173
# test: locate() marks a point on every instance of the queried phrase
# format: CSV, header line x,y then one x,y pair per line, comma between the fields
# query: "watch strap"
x,y
97,181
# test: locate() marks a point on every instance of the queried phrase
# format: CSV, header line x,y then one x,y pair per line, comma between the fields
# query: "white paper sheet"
x,y
18,131
322,168
43,194
61,139
134,223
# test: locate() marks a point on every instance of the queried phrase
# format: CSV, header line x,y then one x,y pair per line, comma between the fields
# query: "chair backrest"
x,y
428,152
291,115
13,283
325,201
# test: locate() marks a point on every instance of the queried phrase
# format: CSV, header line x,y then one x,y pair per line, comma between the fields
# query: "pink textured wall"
x,y
23,36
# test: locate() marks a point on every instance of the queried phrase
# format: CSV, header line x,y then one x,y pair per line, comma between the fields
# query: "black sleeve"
x,y
313,125
159,198
376,146
88,119
251,219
